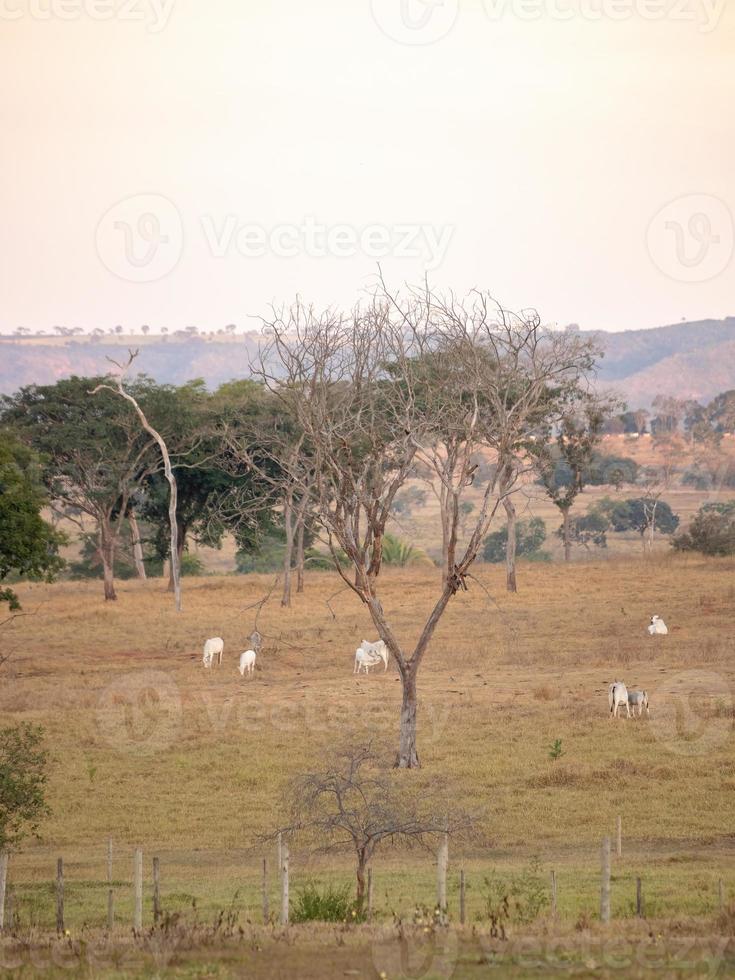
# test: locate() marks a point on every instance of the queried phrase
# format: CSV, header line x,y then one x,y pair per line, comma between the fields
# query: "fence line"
x,y
442,861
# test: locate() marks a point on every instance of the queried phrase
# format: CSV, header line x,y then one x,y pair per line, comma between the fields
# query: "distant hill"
x,y
693,360
689,360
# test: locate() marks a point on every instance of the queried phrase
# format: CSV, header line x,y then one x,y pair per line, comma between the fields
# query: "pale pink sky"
x,y
533,157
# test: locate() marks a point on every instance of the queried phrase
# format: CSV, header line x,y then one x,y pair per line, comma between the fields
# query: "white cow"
x,y
247,662
617,695
365,660
378,651
214,647
657,627
638,699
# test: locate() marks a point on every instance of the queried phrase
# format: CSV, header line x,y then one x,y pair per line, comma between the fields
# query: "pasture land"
x,y
151,750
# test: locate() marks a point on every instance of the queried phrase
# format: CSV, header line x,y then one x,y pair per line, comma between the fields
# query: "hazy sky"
x,y
180,162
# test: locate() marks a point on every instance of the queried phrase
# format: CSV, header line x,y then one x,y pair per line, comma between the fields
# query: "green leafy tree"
x,y
644,515
530,535
590,529
28,544
711,532
23,774
564,464
94,454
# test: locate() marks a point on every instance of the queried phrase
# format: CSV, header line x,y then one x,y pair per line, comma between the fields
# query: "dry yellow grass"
x,y
150,749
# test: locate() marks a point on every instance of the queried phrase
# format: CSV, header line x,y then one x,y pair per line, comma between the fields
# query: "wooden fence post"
x,y
138,890
721,894
3,885
60,896
110,895
442,860
620,836
639,898
605,884
156,890
284,883
266,910
462,897
370,894
553,894
279,852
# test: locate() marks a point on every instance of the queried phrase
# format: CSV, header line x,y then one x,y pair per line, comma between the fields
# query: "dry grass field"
x,y
150,750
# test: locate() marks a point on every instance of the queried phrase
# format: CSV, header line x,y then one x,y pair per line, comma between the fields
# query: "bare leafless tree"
x,y
352,803
384,390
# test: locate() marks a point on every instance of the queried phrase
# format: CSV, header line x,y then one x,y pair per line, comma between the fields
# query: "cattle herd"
x,y
370,654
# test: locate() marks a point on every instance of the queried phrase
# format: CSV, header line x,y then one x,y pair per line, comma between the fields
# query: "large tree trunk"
x,y
408,756
180,545
565,535
136,545
300,554
288,553
510,546
361,882
106,551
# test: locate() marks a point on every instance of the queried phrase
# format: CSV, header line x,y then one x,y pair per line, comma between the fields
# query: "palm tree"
x,y
396,551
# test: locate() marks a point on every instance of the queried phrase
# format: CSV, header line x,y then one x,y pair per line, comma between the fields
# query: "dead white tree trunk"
x,y
172,500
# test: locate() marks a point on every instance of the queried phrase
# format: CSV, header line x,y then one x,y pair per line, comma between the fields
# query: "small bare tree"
x,y
353,804
375,391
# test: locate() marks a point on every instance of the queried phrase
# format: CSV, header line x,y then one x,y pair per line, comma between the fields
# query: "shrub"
x,y
330,904
191,564
517,898
711,532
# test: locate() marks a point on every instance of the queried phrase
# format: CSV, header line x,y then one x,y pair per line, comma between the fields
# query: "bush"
x,y
517,898
530,535
711,532
331,904
190,564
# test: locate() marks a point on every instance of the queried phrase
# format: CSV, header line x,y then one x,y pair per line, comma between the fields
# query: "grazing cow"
x,y
214,647
657,627
378,651
617,695
638,699
364,660
247,662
